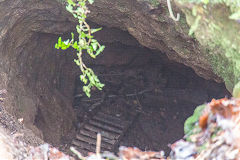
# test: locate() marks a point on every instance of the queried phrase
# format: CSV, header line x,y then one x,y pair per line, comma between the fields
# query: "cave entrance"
x,y
40,81
151,95
145,101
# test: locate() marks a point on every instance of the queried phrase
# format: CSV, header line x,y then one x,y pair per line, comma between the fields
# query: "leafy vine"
x,y
85,44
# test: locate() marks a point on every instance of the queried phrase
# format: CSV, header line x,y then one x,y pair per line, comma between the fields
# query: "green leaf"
x,y
85,81
95,30
91,79
90,52
87,90
66,42
72,36
75,15
94,40
56,46
96,78
59,41
99,86
77,62
71,2
69,8
83,35
92,55
81,42
94,46
82,77
82,4
91,1
78,29
89,36
75,45
84,16
88,94
190,122
100,50
65,45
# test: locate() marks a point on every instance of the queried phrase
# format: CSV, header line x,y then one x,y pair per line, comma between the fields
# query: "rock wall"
x,y
216,27
212,51
149,22
39,81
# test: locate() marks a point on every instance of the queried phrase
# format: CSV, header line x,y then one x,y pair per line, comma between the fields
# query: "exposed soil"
x,y
164,94
16,128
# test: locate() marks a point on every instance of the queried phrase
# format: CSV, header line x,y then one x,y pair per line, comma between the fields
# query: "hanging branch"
x,y
85,44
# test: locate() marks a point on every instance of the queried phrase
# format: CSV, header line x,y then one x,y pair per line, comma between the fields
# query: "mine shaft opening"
x,y
144,103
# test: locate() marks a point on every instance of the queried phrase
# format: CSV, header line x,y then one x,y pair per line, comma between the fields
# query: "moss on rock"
x,y
218,33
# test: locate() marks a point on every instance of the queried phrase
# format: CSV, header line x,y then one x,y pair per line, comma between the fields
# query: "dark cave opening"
x,y
142,87
145,92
